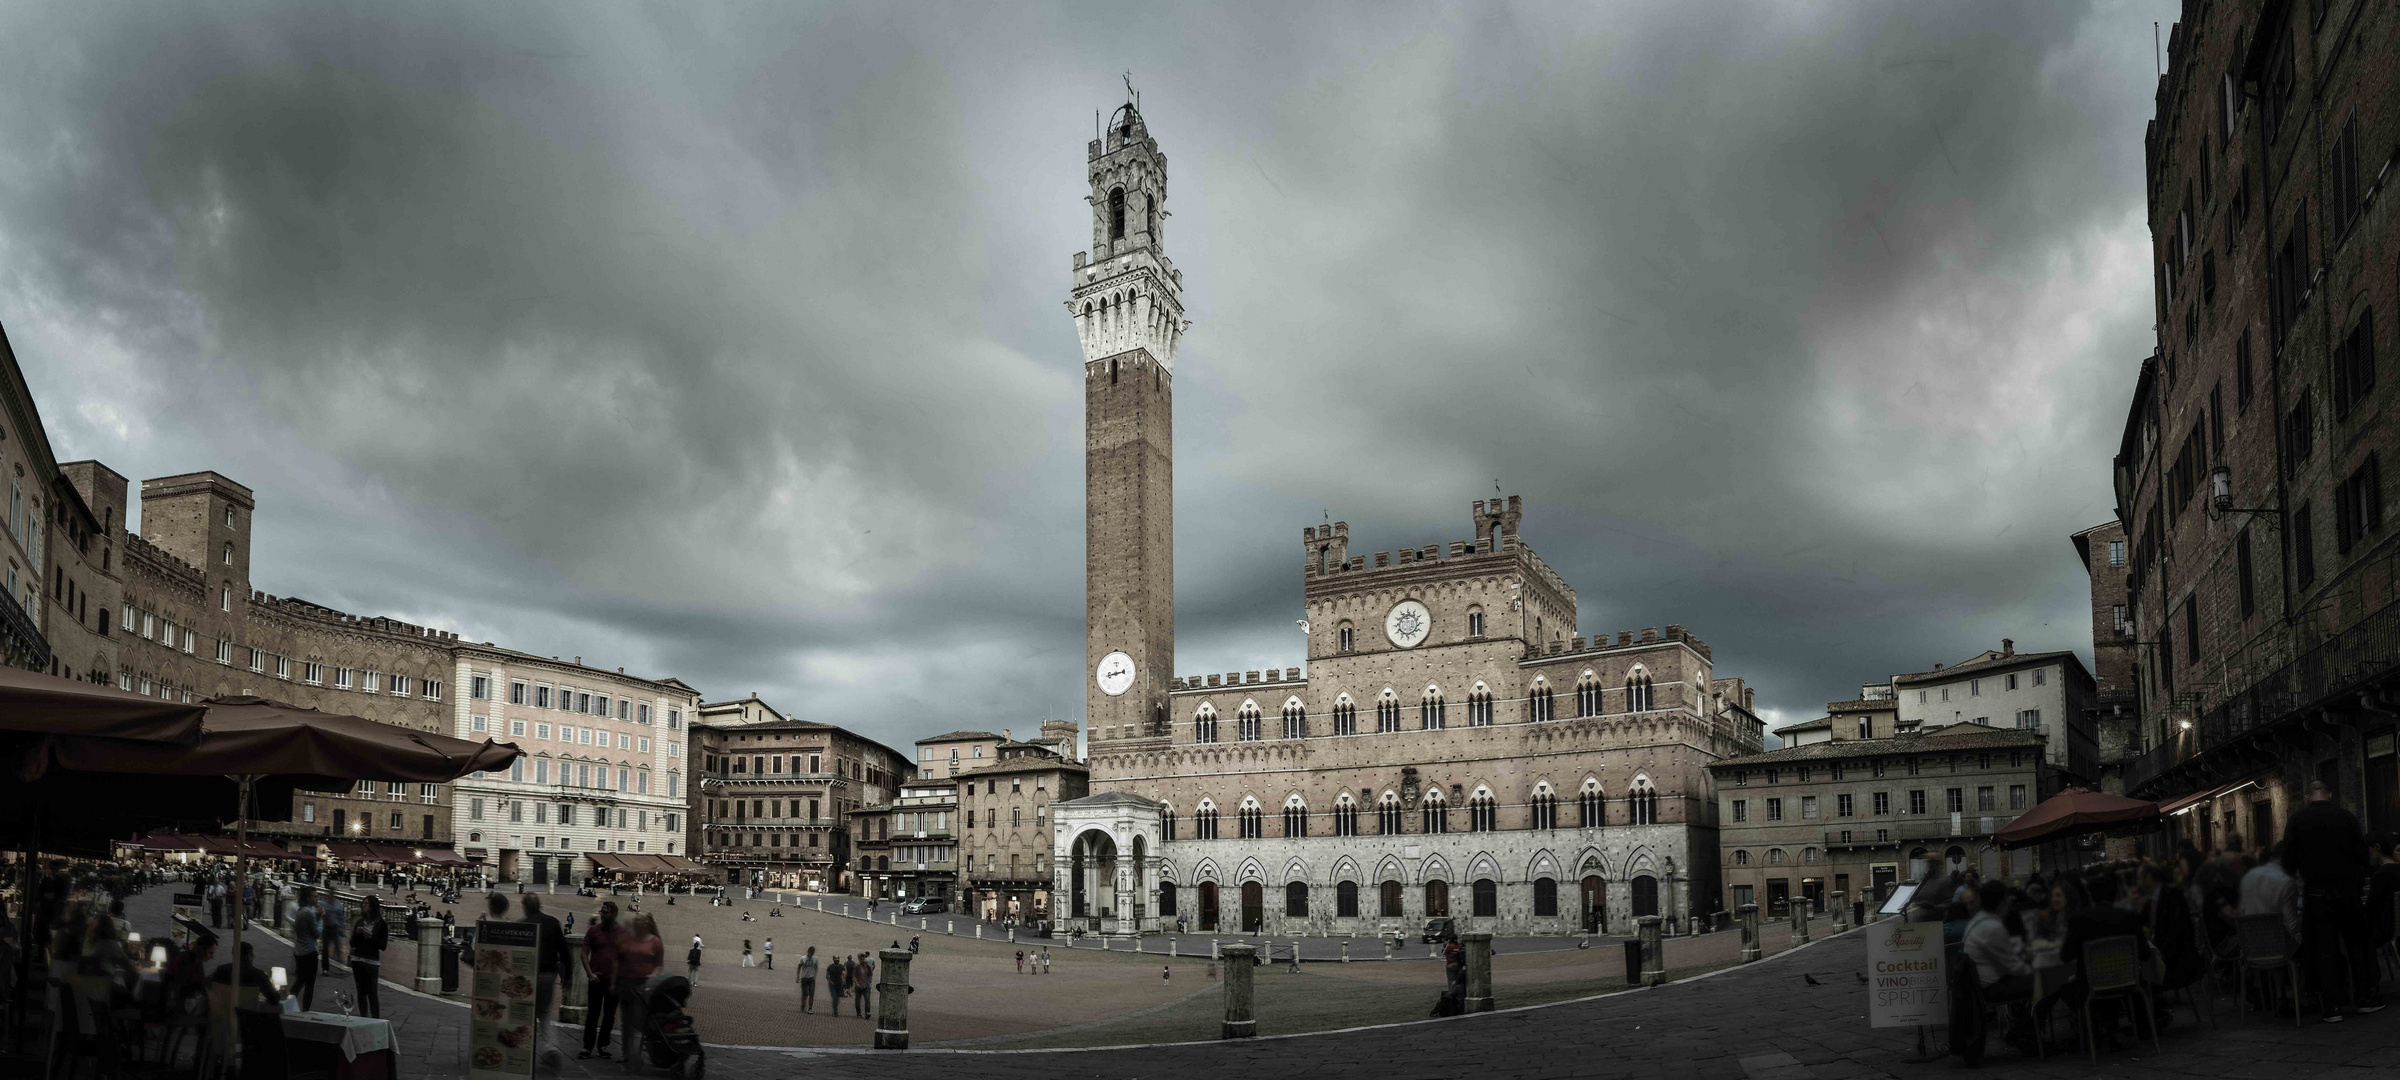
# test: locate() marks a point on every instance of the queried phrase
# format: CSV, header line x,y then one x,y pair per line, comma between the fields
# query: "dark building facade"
x,y
2249,476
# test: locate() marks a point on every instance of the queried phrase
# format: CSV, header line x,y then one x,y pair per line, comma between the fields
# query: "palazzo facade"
x,y
1456,746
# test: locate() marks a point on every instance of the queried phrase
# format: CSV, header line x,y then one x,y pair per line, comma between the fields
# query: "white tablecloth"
x,y
354,1034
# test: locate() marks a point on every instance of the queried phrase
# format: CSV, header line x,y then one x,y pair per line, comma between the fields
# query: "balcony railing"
x,y
2345,661
1925,827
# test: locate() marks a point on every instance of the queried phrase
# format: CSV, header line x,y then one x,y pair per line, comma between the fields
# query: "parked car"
x,y
1440,929
925,905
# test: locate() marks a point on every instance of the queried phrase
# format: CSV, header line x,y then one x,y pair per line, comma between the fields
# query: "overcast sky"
x,y
727,341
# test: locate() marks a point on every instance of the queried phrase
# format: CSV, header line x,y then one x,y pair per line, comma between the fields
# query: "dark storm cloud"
x,y
727,342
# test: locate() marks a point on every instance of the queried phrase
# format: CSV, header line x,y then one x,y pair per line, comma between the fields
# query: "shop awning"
x,y
681,865
349,852
605,860
395,855
166,842
445,857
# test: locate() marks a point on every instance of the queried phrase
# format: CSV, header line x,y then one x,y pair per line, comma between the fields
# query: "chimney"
x,y
2008,647
1004,737
1937,665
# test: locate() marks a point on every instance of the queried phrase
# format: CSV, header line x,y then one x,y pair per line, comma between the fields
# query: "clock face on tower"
x,y
1115,674
1407,624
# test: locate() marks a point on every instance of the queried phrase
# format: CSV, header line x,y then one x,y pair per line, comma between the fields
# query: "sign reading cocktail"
x,y
1905,985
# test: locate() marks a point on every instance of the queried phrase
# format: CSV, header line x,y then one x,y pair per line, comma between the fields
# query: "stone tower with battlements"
x,y
1127,303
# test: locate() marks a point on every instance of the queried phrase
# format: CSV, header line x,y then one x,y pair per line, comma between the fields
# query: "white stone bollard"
x,y
1345,950
953,927
1216,949
979,931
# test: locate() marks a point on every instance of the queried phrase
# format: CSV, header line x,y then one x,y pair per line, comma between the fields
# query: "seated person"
x,y
1999,957
257,991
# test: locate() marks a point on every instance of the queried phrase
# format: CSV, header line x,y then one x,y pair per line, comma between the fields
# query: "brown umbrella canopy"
x,y
36,704
2073,812
252,736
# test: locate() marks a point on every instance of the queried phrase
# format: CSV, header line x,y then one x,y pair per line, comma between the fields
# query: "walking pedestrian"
x,y
1045,959
1166,974
336,919
602,942
367,941
808,980
692,962
549,965
307,932
641,956
864,980
837,980
746,961
1020,961
770,955
2325,845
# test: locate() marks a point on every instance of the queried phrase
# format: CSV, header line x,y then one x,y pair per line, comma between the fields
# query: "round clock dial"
x,y
1407,623
1115,674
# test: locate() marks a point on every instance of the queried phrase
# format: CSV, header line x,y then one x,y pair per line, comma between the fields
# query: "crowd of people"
x,y
2326,887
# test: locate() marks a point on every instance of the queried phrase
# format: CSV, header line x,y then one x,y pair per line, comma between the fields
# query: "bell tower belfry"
x,y
1127,303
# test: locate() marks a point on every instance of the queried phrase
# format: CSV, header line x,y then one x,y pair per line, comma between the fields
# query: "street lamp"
x,y
2220,496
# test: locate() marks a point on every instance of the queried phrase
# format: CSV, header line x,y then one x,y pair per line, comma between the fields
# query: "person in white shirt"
x,y
2268,890
2000,965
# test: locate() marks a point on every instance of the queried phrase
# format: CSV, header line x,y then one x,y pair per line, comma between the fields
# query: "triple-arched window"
x,y
1538,705
1247,721
1253,820
1204,723
1637,691
1387,712
1345,816
1295,817
1345,716
1479,706
1643,802
1431,713
1591,806
1483,814
1204,821
1387,814
1436,813
1587,695
1295,719
1545,807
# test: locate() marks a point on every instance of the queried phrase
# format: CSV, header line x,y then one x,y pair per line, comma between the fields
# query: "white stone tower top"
x,y
1126,295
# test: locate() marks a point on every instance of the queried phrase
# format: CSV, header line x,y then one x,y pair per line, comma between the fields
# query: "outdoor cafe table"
x,y
352,1047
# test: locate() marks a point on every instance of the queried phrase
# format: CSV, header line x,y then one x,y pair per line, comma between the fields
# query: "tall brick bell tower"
x,y
1127,302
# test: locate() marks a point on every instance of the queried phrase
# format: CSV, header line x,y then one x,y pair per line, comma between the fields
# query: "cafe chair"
x,y
2266,948
2112,968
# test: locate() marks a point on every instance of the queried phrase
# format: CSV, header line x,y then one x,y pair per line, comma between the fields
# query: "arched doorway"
x,y
1092,874
1437,899
1645,896
1166,899
1254,904
1208,905
1487,898
1595,904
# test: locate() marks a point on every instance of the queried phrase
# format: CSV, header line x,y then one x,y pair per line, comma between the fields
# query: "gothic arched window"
x,y
1431,713
1247,719
1116,214
1479,706
1295,817
1587,696
1538,701
1204,821
1345,716
1637,691
1483,815
1436,813
1591,806
1295,719
1387,814
1204,724
1545,807
1345,816
1387,712
1253,821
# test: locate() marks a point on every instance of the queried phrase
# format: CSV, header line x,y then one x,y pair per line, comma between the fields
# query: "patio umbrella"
x,y
246,739
34,705
2073,812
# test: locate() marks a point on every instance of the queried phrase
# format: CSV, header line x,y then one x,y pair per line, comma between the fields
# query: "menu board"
x,y
183,918
500,1035
1905,977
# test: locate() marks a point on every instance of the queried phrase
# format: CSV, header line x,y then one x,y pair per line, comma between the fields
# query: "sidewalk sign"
x,y
186,913
1904,972
500,1036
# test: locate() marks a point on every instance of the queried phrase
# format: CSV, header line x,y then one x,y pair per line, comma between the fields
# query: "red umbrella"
x,y
2073,812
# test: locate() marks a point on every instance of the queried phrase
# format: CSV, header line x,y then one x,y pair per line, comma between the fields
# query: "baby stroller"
x,y
668,1038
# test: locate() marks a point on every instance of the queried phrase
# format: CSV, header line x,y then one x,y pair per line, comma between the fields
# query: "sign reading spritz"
x,y
1905,985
